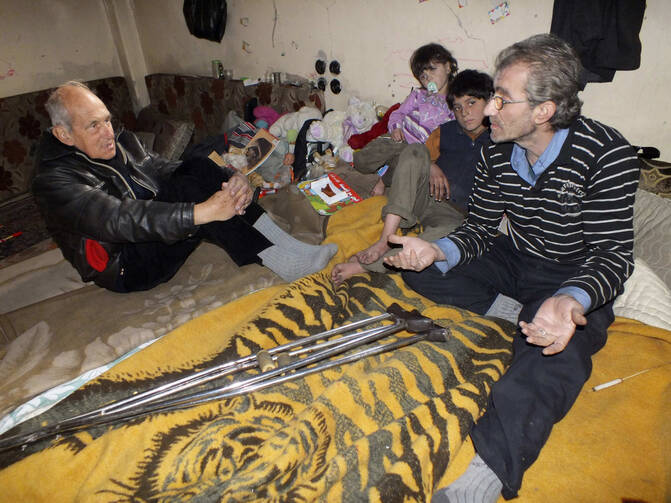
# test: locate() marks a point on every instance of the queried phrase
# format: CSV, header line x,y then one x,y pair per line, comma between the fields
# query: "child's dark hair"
x,y
470,83
426,56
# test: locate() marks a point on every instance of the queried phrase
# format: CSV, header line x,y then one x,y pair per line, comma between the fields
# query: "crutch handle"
x,y
413,320
438,335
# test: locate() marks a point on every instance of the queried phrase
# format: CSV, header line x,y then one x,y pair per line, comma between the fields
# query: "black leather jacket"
x,y
83,198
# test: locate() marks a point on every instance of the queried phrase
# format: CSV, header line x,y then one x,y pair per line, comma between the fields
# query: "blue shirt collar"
x,y
530,174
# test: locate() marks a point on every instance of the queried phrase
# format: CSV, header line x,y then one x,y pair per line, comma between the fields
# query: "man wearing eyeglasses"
x,y
566,184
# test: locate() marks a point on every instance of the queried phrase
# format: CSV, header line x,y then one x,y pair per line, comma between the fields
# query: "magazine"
x,y
328,193
257,150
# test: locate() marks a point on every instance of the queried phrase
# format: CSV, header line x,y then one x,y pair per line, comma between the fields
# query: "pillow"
x,y
652,233
147,139
172,137
655,177
645,298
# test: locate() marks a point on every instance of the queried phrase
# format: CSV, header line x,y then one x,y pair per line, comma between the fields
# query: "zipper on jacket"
x,y
107,166
139,182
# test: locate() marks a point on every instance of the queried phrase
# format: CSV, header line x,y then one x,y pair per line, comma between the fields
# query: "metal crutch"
x,y
122,411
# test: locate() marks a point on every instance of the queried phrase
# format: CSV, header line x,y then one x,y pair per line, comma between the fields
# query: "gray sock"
x,y
478,484
277,236
293,264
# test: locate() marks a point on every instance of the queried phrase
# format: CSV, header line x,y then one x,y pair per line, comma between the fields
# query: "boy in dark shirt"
x,y
432,181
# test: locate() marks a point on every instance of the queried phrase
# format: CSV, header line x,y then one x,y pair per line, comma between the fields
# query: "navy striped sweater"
x,y
579,212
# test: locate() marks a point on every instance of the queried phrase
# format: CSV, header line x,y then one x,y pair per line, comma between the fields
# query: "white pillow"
x,y
652,233
645,298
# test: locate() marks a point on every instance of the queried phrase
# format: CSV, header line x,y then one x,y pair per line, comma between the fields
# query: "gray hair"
x,y
55,105
554,74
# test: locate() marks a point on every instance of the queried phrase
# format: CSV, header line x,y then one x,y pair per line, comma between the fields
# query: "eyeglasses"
x,y
499,102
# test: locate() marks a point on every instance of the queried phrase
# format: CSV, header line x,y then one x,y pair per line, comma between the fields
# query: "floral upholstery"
x,y
179,105
206,101
24,117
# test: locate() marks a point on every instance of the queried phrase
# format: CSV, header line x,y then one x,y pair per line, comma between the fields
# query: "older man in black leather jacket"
x,y
128,219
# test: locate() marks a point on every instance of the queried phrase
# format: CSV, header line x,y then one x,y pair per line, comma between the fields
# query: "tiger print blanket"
x,y
380,429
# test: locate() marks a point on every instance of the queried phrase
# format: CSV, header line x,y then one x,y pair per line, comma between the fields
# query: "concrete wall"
x,y
372,40
44,43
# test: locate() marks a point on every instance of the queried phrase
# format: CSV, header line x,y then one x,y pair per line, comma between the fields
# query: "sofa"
x,y
184,110
389,427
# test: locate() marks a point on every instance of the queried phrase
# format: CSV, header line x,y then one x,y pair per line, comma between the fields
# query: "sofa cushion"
x,y
645,298
172,137
206,101
23,118
652,233
147,139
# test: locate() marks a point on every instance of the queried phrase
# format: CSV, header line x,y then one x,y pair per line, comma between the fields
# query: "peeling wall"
x,y
372,40
44,43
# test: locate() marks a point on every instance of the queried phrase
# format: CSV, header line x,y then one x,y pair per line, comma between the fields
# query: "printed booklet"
x,y
328,193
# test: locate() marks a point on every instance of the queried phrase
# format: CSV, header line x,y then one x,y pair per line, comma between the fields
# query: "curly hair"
x,y
428,55
554,74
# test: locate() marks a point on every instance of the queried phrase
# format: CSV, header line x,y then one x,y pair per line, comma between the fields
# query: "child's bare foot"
x,y
346,270
378,190
373,252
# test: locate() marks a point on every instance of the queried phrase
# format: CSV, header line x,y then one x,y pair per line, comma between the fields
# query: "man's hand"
x,y
439,187
219,206
554,323
416,255
240,191
397,135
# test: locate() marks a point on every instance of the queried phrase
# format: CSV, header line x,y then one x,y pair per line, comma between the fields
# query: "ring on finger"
x,y
542,332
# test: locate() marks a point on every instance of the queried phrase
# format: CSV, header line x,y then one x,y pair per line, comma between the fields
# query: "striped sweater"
x,y
580,210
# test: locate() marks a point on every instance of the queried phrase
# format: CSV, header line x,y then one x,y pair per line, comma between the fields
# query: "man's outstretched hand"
x,y
416,254
554,323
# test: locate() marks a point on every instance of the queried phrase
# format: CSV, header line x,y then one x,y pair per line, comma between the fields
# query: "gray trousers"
x,y
377,153
408,193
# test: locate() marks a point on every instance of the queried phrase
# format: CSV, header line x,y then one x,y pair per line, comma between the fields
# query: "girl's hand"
x,y
397,135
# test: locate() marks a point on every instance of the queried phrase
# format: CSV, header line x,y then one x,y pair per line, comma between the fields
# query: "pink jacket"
x,y
420,114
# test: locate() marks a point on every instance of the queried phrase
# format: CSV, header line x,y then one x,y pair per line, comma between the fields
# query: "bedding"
x,y
613,445
380,429
652,232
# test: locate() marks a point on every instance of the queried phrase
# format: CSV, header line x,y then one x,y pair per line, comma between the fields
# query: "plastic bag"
x,y
206,18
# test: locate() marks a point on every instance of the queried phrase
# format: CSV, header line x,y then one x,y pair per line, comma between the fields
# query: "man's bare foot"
x,y
378,190
346,270
373,252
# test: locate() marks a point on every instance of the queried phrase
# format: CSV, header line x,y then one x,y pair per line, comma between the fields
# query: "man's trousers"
x,y
146,265
537,390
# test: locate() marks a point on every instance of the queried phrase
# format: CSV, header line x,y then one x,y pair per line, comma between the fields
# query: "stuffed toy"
x,y
337,126
293,121
265,117
381,111
360,117
330,130
358,141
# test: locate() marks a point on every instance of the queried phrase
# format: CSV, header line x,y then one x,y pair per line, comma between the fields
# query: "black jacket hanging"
x,y
604,33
